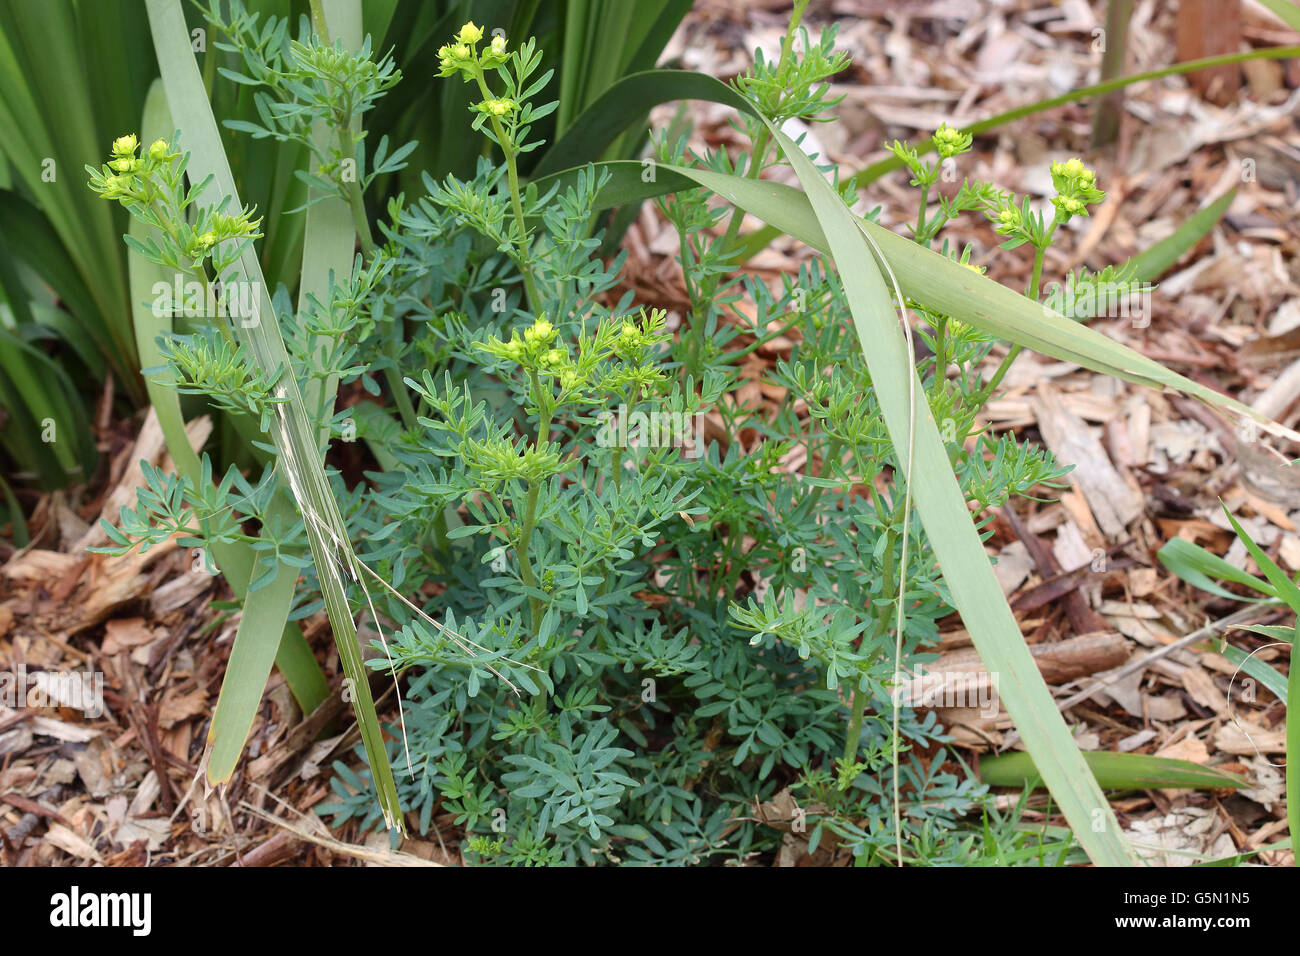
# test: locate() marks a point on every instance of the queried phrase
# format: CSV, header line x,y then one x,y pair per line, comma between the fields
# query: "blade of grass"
x,y
1286,589
47,116
600,124
1292,743
1197,566
330,237
1152,263
48,433
20,536
1114,771
1288,13
1290,594
1252,666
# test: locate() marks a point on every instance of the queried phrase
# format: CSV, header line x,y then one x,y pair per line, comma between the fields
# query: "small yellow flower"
x,y
950,142
540,333
207,240
125,145
498,45
116,186
460,52
470,33
158,151
124,165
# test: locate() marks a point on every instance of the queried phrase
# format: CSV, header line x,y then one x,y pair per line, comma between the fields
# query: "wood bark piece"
x,y
1211,28
1113,502
1057,662
1083,619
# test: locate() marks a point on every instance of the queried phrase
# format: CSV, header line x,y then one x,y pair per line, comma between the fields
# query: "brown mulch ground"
x,y
124,788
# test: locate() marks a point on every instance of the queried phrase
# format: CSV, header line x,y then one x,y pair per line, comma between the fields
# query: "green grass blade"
x,y
1114,771
1197,566
1289,13
330,238
47,432
1285,588
47,116
1293,743
17,519
1261,671
1152,263
663,22
1290,595
43,251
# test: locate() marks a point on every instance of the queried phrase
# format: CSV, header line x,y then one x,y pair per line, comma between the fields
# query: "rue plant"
x,y
637,582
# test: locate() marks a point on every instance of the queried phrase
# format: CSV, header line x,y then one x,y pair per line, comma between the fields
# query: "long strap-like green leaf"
x,y
256,643
294,433
947,521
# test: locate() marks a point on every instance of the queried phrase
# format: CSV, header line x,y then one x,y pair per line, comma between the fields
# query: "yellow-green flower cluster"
x,y
950,142
496,107
125,175
1076,189
533,351
1008,220
463,56
221,228
633,340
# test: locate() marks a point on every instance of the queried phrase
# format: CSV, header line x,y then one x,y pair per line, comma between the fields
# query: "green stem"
x,y
1036,277
833,447
921,237
941,352
525,563
543,410
858,703
222,325
512,173
357,203
1032,294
